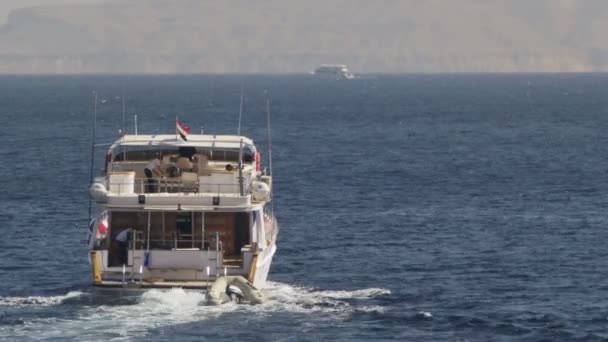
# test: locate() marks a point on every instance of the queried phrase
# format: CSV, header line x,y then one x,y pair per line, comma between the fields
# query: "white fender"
x,y
260,191
98,192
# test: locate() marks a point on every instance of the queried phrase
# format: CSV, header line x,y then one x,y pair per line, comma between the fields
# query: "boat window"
x,y
187,151
146,154
160,236
231,155
184,223
143,154
121,220
247,155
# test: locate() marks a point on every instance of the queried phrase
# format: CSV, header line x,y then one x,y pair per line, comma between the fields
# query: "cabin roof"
x,y
194,140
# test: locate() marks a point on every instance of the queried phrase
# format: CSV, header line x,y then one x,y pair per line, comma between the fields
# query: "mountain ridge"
x,y
274,36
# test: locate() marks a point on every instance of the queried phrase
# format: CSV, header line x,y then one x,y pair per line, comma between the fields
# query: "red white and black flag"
x,y
182,129
102,227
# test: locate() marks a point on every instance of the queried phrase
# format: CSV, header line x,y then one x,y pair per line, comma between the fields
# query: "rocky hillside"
x,y
234,36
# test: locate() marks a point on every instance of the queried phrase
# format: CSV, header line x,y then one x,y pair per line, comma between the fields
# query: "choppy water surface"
x,y
412,208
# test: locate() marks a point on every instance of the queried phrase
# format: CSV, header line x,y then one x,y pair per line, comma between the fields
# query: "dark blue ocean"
x,y
412,207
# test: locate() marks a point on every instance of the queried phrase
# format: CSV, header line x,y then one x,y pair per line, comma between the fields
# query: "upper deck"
x,y
219,171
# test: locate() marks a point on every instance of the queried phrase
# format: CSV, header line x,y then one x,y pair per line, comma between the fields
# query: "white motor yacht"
x,y
181,213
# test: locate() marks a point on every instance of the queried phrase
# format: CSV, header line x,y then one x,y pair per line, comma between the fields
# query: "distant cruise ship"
x,y
337,71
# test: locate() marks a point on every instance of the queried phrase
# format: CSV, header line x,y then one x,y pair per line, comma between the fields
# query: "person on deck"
x,y
122,239
153,168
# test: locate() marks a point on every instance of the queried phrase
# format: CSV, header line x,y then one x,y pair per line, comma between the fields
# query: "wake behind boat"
x,y
182,213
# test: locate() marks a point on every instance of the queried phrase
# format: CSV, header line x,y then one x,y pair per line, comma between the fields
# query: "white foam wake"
x,y
161,308
357,294
38,300
301,299
154,309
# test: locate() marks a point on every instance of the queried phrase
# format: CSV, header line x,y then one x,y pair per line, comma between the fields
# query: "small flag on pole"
x,y
102,227
182,129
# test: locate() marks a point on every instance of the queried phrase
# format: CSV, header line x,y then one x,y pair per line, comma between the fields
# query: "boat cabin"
x,y
202,164
181,245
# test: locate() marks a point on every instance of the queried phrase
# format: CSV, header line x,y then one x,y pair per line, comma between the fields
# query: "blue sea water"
x,y
412,207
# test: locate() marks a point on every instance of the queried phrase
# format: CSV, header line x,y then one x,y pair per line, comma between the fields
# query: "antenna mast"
x,y
269,152
123,109
269,135
241,108
93,132
241,180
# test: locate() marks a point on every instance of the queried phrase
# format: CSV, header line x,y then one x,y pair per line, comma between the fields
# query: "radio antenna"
x,y
269,151
241,107
93,138
123,109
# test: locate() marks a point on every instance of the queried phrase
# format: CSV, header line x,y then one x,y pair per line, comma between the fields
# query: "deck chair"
x,y
201,165
190,181
184,164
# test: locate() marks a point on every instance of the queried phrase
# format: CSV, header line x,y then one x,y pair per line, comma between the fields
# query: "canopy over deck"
x,y
194,140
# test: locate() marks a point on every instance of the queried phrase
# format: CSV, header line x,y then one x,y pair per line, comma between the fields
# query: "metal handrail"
x,y
218,247
196,243
169,185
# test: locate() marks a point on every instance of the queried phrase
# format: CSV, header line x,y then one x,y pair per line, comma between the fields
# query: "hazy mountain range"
x,y
293,36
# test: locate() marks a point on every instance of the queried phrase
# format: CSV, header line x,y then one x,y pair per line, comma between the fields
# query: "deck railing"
x,y
172,185
175,244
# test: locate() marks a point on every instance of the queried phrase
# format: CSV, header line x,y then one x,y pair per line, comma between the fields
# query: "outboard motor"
x,y
233,289
235,294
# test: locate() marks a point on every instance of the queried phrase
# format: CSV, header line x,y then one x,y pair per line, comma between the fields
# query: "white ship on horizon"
x,y
334,71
